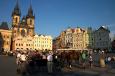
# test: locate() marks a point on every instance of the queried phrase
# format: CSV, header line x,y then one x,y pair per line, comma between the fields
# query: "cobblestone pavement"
x,y
8,68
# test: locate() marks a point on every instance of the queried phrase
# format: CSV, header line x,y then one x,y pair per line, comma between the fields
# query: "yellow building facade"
x,y
23,43
42,42
5,40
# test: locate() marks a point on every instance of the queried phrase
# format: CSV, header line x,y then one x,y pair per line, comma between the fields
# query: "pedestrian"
x,y
18,57
109,59
18,61
50,63
23,59
70,59
83,55
90,61
44,61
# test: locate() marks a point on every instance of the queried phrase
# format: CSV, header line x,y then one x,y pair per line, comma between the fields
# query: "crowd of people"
x,y
53,61
34,61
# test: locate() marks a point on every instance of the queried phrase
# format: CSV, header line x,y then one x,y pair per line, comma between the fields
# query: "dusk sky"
x,y
54,16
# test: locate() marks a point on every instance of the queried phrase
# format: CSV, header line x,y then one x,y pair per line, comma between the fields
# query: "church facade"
x,y
22,28
21,35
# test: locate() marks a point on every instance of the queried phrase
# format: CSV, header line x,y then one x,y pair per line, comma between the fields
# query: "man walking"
x,y
90,61
49,62
18,61
23,59
83,55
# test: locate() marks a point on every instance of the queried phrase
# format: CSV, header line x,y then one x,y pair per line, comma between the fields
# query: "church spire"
x,y
16,10
30,11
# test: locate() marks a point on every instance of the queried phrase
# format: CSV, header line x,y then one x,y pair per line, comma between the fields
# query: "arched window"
x,y
30,22
23,32
16,19
14,31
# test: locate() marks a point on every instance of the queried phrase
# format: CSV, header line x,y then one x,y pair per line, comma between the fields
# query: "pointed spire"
x,y
16,10
17,5
30,11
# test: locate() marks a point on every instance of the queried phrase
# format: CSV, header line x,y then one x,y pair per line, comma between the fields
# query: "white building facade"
x,y
42,42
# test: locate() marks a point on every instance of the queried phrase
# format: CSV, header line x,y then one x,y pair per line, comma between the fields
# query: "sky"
x,y
54,16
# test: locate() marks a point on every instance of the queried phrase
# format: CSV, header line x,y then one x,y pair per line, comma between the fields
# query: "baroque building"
x,y
22,27
75,38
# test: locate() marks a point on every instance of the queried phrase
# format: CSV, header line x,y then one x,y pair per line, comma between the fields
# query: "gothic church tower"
x,y
30,21
22,27
15,20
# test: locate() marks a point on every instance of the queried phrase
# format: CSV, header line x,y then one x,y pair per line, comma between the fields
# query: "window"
x,y
14,31
16,19
30,22
4,36
23,32
17,48
7,43
7,36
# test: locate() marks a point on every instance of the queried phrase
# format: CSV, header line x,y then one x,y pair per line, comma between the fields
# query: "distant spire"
x,y
30,11
16,6
16,9
30,3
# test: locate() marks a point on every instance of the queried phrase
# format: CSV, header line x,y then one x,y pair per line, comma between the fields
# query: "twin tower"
x,y
25,26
